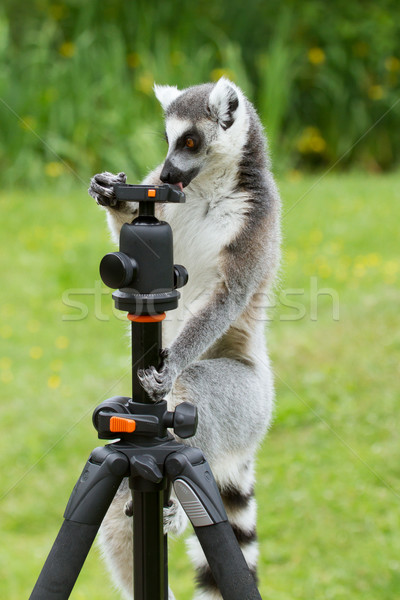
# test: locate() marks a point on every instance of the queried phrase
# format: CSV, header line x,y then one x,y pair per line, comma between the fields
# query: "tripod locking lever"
x,y
146,467
118,417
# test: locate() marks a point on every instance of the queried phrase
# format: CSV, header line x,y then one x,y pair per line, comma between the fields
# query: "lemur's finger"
x,y
105,177
151,376
96,188
110,179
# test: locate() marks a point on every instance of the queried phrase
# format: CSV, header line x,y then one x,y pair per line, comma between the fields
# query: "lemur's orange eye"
x,y
190,143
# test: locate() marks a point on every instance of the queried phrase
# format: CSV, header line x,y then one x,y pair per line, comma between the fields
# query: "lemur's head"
x,y
201,122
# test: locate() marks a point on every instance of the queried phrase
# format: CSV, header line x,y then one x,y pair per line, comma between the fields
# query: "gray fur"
x,y
192,104
228,236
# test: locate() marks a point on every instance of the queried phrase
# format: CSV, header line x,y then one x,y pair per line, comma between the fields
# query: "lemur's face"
x,y
189,144
196,121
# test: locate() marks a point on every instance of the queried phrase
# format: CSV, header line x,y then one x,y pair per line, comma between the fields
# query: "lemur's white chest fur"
x,y
212,215
202,227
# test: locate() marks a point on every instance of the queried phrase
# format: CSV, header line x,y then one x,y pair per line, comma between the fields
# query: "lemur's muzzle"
x,y
170,174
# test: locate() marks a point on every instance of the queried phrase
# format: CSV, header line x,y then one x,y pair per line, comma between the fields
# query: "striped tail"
x,y
240,505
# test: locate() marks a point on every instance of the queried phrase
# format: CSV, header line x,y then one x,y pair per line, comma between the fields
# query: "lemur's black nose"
x,y
165,175
170,174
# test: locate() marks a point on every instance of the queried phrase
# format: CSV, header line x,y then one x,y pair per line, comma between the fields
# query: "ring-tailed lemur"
x,y
228,237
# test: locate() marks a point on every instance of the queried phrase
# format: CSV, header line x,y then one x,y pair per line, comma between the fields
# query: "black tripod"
x,y
146,452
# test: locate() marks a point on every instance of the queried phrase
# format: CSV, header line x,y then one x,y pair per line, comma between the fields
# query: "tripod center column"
x,y
146,345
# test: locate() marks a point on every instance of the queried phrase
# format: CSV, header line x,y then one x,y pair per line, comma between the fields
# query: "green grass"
x,y
328,471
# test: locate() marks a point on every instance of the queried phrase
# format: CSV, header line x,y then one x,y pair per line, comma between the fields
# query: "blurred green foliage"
x,y
76,80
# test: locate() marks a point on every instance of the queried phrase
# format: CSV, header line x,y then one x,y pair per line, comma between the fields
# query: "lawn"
x,y
328,472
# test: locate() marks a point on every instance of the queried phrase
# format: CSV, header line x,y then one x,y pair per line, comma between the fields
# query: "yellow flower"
x,y
133,60
28,123
6,377
218,73
145,83
360,49
62,342
6,332
50,94
390,268
67,49
317,144
54,169
36,352
5,363
291,256
324,270
359,269
341,273
40,233
54,381
373,259
316,236
311,141
57,11
294,175
375,92
316,56
392,64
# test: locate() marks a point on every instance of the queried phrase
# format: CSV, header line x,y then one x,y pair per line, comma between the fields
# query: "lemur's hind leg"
x,y
229,432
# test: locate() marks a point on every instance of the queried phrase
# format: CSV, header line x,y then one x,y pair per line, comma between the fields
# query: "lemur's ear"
x,y
223,103
166,94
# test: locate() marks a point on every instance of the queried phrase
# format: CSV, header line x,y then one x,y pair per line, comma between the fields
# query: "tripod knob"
x,y
181,276
146,467
118,270
183,420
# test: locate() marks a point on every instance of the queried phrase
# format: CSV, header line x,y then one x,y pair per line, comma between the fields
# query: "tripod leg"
x,y
197,491
239,501
150,556
85,511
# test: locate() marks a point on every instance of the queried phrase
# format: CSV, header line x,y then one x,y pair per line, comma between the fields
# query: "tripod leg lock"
x,y
96,487
195,487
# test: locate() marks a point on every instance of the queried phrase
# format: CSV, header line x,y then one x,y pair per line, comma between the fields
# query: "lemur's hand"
x,y
101,188
158,383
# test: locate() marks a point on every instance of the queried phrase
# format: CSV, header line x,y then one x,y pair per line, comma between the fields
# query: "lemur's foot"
x,y
128,508
174,517
156,383
101,189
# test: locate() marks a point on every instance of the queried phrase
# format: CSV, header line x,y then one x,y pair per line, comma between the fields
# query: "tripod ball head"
x,y
143,270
